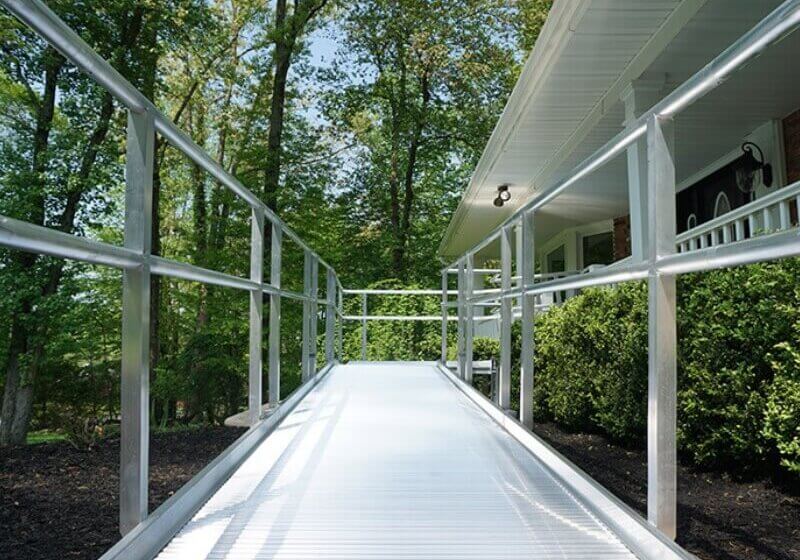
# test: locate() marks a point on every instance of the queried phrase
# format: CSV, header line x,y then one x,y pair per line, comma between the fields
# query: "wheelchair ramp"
x,y
391,460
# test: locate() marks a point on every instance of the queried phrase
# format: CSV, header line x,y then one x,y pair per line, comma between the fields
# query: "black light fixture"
x,y
503,195
747,167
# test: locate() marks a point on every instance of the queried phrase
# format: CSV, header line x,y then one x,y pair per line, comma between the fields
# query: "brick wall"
x,y
622,237
791,139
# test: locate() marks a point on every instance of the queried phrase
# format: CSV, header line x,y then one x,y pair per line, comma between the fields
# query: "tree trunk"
x,y
149,68
200,216
283,54
18,387
413,149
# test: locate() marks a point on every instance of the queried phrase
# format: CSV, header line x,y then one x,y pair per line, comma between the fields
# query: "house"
x,y
598,65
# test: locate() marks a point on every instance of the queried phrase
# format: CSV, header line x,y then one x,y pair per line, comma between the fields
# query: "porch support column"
x,y
469,315
135,382
528,315
662,335
256,316
638,97
444,318
461,317
275,318
506,319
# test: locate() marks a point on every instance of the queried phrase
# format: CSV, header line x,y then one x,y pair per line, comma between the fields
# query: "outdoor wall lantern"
x,y
747,167
503,195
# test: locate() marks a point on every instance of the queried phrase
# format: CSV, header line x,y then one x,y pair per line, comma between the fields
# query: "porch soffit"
x,y
586,52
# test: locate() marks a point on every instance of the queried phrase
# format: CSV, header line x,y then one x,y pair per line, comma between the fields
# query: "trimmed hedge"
x,y
738,365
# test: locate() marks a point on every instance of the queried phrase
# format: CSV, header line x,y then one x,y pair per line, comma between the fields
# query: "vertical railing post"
x,y
518,258
256,315
275,317
364,327
330,316
135,382
305,357
527,270
444,318
506,319
461,319
340,324
314,316
469,323
662,334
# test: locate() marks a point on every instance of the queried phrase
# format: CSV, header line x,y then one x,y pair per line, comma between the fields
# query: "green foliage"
x,y
620,380
484,348
591,362
782,414
729,324
719,416
739,358
565,362
394,340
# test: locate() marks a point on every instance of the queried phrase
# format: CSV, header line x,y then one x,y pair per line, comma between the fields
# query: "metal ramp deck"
x,y
392,460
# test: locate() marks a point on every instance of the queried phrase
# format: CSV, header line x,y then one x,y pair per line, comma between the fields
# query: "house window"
x,y
722,205
556,261
598,248
691,221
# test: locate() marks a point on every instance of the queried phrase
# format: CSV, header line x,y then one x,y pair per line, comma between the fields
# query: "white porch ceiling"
x,y
550,126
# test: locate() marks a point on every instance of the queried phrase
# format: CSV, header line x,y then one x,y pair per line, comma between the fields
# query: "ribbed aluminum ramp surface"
x,y
392,461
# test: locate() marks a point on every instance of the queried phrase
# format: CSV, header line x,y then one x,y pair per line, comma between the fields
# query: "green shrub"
x,y
483,348
782,414
719,415
620,395
738,364
729,324
566,360
591,362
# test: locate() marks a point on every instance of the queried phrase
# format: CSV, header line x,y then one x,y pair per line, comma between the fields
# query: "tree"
x,y
431,78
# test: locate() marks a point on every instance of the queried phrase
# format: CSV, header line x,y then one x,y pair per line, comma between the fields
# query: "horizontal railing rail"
x,y
364,318
770,234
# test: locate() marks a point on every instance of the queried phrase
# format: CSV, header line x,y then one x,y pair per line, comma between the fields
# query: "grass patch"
x,y
45,436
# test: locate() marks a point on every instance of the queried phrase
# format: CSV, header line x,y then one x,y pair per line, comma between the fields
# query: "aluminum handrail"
x,y
395,292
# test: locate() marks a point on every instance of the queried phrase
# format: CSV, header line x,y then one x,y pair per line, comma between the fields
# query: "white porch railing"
x,y
768,214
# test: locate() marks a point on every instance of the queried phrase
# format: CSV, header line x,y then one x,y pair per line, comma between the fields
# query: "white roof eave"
x,y
560,24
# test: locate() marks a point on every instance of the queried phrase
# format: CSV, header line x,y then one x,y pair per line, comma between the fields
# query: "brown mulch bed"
x,y
59,502
718,518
